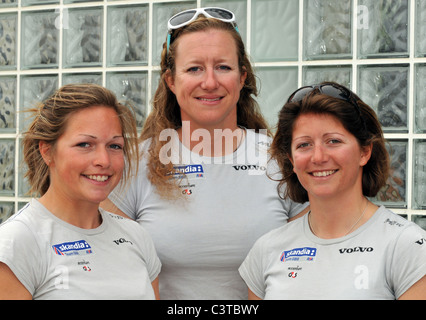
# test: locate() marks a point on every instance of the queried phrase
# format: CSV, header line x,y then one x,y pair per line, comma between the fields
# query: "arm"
x,y
252,296
416,292
155,286
11,287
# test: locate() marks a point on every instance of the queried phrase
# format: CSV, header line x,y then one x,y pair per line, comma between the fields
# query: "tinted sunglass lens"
x,y
219,13
300,94
182,18
335,92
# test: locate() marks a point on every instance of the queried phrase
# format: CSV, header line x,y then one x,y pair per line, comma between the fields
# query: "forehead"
x,y
94,117
206,41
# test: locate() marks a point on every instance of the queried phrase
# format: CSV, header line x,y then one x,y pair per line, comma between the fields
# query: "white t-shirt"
x,y
202,239
380,260
56,260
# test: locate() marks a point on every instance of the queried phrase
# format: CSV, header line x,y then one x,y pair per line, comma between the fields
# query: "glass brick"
x,y
7,167
39,39
385,89
162,13
7,104
317,74
7,209
8,37
68,78
130,89
387,33
275,30
393,194
23,184
8,3
419,220
420,98
127,41
238,7
83,38
276,84
34,89
419,183
420,29
327,29
37,2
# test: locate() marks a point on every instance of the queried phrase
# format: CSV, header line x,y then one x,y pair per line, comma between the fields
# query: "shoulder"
x,y
398,229
281,235
21,224
128,225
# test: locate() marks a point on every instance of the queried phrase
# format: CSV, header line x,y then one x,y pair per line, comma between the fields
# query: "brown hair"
x,y
166,111
49,123
363,124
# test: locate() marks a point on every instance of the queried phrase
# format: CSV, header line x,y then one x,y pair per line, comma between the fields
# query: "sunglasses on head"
x,y
333,90
186,17
329,89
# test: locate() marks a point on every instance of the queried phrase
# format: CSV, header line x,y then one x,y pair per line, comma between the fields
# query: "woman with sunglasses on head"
x,y
331,151
204,202
62,245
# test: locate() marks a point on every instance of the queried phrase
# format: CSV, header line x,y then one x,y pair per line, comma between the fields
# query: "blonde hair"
x,y
166,111
49,123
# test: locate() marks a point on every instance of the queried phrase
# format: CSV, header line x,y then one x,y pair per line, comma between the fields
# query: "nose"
x,y
319,154
210,81
102,158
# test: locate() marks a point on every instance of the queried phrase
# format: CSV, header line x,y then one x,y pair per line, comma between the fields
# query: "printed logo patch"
x,y
190,171
80,247
299,254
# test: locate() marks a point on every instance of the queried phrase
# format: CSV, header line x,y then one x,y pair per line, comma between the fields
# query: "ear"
x,y
291,160
45,151
168,77
365,154
243,78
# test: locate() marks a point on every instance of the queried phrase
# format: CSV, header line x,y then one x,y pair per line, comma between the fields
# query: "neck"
x,y
81,214
212,142
329,220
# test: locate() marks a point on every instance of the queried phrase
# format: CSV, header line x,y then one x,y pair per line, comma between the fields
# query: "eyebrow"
x,y
93,137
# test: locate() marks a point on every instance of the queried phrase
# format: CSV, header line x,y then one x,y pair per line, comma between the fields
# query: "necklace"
x,y
353,226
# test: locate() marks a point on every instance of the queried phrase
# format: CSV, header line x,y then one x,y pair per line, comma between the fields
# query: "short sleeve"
x,y
19,250
408,259
252,271
150,256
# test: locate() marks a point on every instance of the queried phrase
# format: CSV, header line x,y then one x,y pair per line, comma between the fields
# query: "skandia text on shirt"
x,y
72,248
193,168
299,254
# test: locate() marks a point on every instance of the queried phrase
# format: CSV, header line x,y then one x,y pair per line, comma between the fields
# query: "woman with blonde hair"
x,y
62,245
202,191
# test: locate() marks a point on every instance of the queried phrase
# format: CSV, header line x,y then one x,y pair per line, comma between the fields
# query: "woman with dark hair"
x,y
330,148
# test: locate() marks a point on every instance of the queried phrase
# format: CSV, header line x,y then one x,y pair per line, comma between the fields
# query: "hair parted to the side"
x,y
165,113
375,172
49,123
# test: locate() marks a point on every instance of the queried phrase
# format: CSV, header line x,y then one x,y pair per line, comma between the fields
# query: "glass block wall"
x,y
375,47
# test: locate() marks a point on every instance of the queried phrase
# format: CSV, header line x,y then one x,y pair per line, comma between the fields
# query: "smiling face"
x,y
327,159
207,81
87,160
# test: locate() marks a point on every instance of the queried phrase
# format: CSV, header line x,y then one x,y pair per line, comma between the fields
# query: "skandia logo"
x,y
299,254
196,169
80,247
